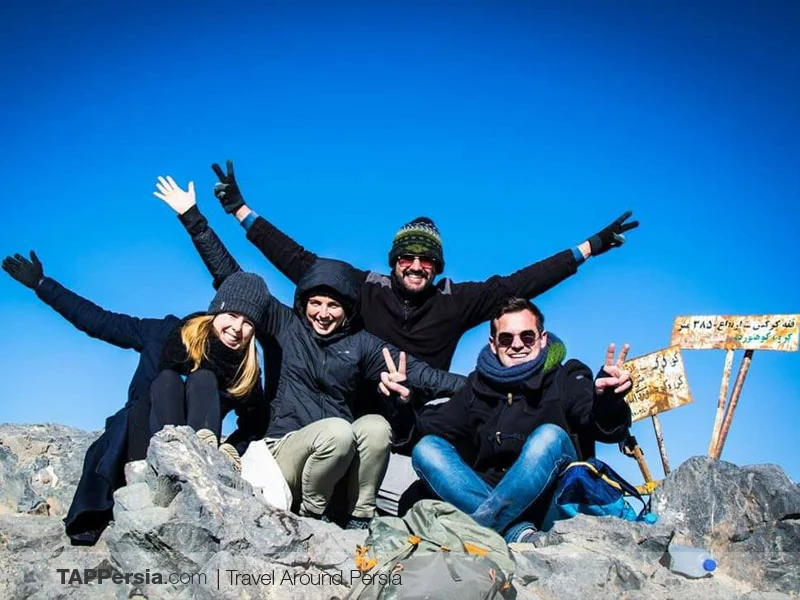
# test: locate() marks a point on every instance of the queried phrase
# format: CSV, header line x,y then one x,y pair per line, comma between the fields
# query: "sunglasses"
x,y
527,337
406,261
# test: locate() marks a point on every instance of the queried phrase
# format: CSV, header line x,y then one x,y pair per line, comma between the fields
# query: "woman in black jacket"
x,y
209,366
127,432
319,432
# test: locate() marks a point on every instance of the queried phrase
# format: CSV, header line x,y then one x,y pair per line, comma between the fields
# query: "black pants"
x,y
196,403
139,428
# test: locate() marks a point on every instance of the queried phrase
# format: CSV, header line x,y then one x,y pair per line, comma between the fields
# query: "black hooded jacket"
x,y
320,376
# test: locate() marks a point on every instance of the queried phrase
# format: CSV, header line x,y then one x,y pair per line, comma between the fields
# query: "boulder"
x,y
187,526
40,466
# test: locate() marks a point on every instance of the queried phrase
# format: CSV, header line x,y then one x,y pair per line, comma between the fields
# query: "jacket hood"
x,y
331,278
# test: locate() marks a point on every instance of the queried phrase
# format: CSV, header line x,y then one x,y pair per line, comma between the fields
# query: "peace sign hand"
x,y
391,381
619,379
227,190
171,193
613,235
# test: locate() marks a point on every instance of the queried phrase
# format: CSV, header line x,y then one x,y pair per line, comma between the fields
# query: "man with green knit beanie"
x,y
406,308
496,448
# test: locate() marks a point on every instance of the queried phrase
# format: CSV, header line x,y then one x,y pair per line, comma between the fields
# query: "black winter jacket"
x,y
489,424
320,377
428,326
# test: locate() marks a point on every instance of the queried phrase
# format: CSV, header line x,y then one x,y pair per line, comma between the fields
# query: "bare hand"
x,y
391,381
174,196
619,379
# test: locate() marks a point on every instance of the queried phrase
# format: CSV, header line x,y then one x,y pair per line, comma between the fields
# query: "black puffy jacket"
x,y
320,376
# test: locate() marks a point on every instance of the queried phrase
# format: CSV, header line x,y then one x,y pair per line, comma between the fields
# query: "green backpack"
x,y
435,551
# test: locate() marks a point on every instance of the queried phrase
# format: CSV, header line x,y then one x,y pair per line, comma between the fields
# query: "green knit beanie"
x,y
420,237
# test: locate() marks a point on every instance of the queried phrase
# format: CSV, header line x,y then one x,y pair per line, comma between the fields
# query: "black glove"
x,y
612,236
28,272
227,190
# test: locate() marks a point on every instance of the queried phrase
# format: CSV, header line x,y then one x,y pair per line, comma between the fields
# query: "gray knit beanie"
x,y
244,293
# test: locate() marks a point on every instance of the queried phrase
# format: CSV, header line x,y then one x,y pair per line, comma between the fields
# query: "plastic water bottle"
x,y
690,561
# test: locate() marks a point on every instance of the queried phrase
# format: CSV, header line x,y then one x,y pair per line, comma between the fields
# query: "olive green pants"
x,y
313,460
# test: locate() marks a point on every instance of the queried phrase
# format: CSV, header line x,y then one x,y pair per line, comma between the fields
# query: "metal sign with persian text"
x,y
659,383
762,332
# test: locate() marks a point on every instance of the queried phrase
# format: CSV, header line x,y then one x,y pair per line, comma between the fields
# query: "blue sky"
x,y
521,128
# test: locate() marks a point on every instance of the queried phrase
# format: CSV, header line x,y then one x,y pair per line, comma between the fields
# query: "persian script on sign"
x,y
762,332
659,383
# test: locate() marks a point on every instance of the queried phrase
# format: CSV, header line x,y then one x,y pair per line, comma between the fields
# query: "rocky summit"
x,y
187,526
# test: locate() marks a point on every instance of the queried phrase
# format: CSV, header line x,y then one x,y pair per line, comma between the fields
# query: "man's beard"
x,y
400,282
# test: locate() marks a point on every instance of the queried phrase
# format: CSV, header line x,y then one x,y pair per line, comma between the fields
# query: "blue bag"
x,y
594,488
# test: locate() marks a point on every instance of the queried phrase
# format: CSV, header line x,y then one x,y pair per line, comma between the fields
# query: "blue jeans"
x,y
545,453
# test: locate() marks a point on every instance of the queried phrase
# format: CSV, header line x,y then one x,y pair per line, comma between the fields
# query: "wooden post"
x,y
737,390
723,394
660,439
639,456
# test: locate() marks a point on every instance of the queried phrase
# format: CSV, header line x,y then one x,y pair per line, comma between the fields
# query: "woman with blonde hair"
x,y
209,366
219,355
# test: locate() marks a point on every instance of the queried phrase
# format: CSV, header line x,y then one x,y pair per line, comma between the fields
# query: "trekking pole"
x,y
737,390
723,393
660,439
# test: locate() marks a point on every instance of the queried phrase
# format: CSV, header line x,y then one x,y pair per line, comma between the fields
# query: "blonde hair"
x,y
195,333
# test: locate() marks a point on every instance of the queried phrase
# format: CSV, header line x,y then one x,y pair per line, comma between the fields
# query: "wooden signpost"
x,y
659,385
726,332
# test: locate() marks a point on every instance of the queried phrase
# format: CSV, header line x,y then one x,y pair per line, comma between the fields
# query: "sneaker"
x,y
523,532
232,455
357,523
309,515
208,437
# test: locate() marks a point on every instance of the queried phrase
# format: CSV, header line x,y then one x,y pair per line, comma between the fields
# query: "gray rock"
x,y
192,514
33,548
40,466
748,517
135,471
185,511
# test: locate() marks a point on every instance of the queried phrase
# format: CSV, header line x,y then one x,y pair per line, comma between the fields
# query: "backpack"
x,y
594,488
435,551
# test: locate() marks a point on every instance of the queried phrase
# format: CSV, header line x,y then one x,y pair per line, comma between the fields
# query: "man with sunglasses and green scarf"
x,y
496,448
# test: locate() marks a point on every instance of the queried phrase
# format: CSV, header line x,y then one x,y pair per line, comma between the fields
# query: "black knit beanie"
x,y
244,293
420,237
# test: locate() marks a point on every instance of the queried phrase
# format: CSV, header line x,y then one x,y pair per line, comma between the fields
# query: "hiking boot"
x,y
208,437
232,455
357,523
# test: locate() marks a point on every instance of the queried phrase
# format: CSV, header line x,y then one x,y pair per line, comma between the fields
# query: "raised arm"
x,y
479,299
289,257
118,329
599,408
219,262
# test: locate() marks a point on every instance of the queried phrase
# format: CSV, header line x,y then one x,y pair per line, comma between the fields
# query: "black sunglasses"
x,y
527,337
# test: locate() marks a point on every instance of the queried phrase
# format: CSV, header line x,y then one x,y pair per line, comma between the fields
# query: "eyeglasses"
x,y
527,337
406,261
